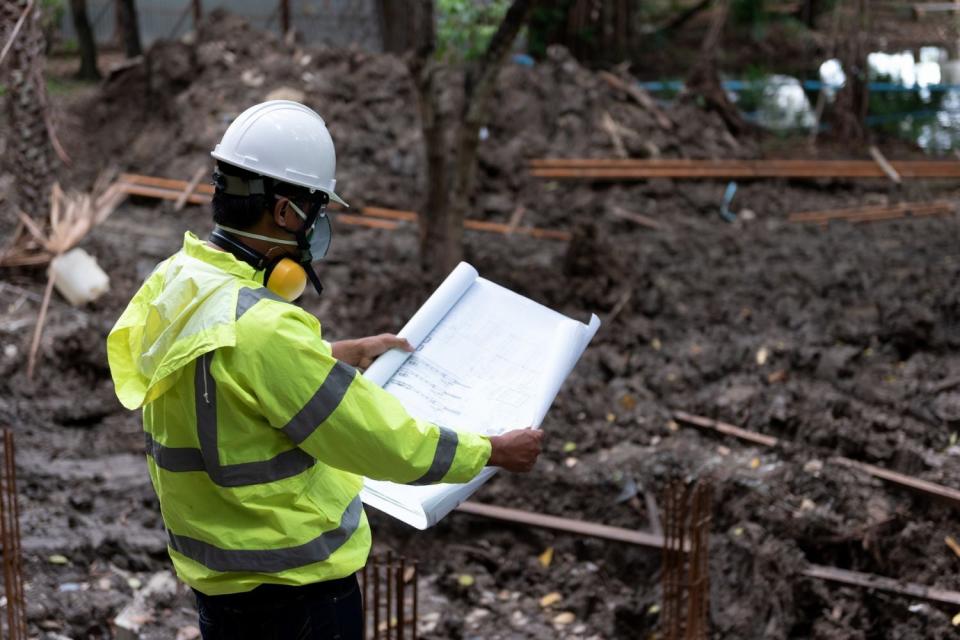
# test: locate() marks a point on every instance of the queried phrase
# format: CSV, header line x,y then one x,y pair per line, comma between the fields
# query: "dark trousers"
x,y
321,611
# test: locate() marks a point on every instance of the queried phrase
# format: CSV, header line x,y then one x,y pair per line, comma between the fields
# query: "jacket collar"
x,y
202,250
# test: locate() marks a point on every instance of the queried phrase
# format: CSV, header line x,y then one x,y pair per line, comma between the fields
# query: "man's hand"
x,y
362,351
516,450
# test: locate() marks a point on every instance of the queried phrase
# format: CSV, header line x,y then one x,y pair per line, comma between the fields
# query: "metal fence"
x,y
333,23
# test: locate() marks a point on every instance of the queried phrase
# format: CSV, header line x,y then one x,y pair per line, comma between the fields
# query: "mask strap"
x,y
255,236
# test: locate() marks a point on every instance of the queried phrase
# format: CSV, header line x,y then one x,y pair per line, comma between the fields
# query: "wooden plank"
x,y
913,208
568,525
884,165
881,583
614,169
938,491
392,214
515,218
725,428
161,193
474,225
636,218
361,221
165,183
190,188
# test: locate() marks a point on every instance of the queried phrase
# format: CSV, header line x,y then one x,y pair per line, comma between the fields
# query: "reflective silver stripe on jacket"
x,y
207,458
284,465
174,458
249,297
271,560
323,403
442,459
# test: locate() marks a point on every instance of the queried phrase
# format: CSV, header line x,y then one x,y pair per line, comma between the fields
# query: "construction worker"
x,y
258,432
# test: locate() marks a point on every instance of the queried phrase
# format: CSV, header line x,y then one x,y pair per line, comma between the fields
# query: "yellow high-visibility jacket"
x,y
256,437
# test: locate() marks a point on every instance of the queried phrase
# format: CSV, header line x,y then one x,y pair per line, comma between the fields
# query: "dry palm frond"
x,y
72,216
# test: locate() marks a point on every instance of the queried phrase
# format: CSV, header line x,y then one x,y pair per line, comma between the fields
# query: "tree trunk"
x,y
130,27
853,100
704,79
85,41
443,213
196,8
29,155
433,224
397,29
479,84
284,17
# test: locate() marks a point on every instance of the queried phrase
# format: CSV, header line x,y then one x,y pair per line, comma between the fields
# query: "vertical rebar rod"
x,y
6,536
389,594
693,569
665,570
401,608
376,599
416,579
364,601
15,529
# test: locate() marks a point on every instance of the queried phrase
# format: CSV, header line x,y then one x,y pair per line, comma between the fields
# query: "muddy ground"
x,y
837,339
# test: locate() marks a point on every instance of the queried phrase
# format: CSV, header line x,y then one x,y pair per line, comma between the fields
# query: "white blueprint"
x,y
487,360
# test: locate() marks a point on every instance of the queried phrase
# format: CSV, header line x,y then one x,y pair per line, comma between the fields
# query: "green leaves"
x,y
465,27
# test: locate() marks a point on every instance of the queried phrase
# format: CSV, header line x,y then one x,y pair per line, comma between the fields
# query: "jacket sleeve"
x,y
336,415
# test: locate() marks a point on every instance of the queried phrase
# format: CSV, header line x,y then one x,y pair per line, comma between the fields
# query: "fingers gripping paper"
x,y
487,360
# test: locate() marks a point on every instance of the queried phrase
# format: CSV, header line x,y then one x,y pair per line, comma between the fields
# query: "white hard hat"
x,y
284,140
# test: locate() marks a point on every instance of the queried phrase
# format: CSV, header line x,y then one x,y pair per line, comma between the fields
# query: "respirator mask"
x,y
285,276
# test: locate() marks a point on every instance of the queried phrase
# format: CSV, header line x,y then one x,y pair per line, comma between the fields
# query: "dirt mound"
x,y
181,99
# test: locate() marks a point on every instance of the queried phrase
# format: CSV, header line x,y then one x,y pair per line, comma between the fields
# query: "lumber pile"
x,y
634,169
192,192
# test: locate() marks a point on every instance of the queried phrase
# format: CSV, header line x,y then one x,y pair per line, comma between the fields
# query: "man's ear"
x,y
280,213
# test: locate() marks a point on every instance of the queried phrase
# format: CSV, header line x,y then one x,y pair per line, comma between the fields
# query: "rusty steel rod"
x,y
5,537
401,608
364,598
389,594
376,599
416,595
10,536
18,550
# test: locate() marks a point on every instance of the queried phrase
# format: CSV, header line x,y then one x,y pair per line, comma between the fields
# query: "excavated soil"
x,y
841,340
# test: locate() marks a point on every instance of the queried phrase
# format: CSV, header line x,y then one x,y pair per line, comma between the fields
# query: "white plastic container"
x,y
78,277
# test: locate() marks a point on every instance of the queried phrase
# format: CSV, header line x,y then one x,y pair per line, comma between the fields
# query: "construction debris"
x,y
78,277
937,491
142,610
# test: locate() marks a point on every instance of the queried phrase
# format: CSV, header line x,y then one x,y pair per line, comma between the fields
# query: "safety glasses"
x,y
320,233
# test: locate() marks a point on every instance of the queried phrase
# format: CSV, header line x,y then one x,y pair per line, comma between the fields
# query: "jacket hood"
x,y
185,308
